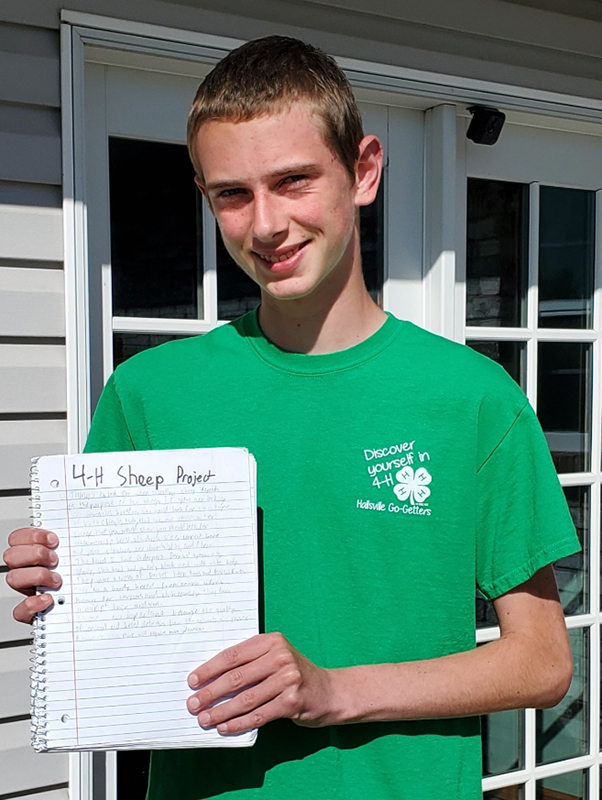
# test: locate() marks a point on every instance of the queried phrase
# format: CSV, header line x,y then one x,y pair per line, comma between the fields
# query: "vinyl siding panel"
x,y
10,631
14,513
31,233
21,768
32,302
14,694
22,440
40,13
30,143
30,194
30,77
53,794
29,66
32,379
32,373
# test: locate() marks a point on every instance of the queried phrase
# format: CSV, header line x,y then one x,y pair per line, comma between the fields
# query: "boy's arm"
x,y
529,665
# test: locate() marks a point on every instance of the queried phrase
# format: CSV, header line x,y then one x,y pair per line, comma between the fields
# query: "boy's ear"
x,y
203,191
368,170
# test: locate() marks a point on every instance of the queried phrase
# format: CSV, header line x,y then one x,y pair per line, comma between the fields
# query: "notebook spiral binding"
x,y
38,651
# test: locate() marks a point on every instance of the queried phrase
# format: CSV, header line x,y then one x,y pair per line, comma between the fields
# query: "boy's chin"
x,y
287,290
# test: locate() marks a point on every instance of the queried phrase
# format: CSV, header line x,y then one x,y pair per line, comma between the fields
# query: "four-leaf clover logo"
x,y
412,485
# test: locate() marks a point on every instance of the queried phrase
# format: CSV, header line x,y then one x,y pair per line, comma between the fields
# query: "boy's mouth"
x,y
282,256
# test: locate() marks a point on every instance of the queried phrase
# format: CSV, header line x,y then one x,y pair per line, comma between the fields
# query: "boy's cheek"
x,y
233,228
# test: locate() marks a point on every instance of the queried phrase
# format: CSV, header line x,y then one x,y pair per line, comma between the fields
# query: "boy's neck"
x,y
327,321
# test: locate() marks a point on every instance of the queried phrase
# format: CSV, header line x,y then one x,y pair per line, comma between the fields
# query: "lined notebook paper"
x,y
158,555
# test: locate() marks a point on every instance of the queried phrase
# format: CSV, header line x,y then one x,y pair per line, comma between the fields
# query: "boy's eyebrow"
x,y
292,169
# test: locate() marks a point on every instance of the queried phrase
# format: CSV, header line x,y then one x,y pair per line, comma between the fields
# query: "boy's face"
x,y
285,204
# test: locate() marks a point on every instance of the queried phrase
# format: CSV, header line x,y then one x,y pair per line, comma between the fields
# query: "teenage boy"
x,y
396,470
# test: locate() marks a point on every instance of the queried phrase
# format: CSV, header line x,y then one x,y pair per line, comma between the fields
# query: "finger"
x,y
27,610
255,719
33,536
233,657
30,555
230,683
26,580
242,704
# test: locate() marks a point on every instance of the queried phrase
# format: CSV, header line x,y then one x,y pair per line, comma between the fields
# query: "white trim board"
x,y
371,75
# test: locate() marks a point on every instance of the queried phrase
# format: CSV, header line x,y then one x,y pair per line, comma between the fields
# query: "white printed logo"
x,y
397,467
412,485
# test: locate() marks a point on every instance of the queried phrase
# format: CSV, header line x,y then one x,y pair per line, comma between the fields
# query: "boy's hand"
x,y
30,557
271,680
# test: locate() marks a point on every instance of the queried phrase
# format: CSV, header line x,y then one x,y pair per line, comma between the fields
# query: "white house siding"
x,y
32,353
535,43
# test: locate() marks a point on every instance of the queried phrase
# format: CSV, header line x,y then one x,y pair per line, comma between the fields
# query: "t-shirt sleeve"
x,y
109,430
523,522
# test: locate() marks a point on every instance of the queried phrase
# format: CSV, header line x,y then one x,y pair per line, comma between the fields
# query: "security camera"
x,y
486,124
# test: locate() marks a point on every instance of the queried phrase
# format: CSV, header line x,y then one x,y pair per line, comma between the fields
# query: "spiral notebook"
x,y
158,555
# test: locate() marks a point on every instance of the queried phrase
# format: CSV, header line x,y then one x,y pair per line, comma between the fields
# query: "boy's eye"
x,y
229,192
294,178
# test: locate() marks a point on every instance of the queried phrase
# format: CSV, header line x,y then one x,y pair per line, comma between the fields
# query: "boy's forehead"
x,y
274,135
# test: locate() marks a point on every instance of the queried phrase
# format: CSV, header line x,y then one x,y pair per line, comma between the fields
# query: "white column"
x,y
440,221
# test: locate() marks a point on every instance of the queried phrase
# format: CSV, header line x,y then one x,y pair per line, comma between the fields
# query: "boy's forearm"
x,y
497,676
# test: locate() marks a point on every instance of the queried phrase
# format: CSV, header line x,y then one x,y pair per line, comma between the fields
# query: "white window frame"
x,y
436,301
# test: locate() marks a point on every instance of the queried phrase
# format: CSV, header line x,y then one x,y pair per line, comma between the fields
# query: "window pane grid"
x,y
579,775
527,779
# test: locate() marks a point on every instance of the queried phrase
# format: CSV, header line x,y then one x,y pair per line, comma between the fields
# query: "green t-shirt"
x,y
392,478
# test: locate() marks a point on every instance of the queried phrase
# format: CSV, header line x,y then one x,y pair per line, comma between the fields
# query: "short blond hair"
x,y
266,76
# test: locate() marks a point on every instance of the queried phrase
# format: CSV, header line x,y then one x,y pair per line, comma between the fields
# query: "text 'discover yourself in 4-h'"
x,y
158,556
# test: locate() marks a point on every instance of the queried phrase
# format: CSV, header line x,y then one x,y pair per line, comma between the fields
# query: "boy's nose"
x,y
268,218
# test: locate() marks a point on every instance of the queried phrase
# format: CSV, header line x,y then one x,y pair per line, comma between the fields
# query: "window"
x,y
532,306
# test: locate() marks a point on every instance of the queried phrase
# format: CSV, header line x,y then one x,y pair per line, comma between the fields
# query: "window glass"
x,y
562,731
507,793
571,572
485,612
156,235
511,355
372,240
126,345
568,786
132,774
563,402
566,257
503,745
496,252
236,292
